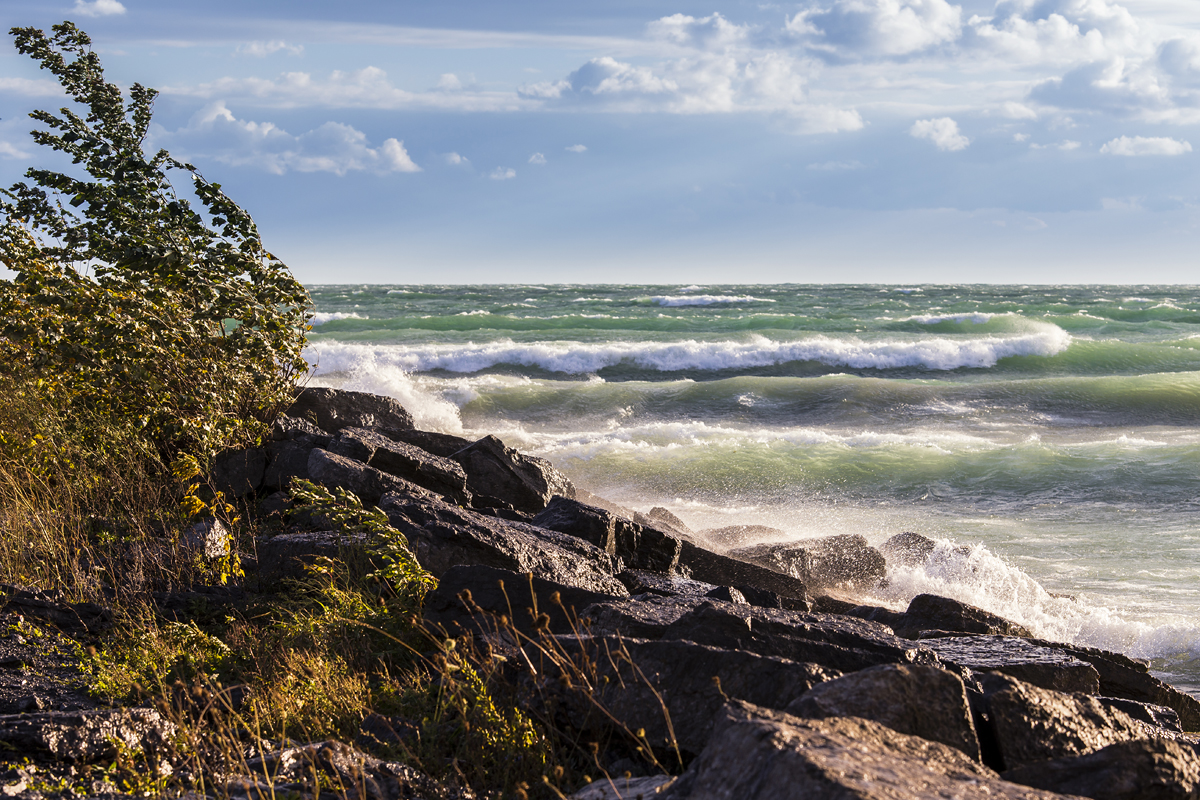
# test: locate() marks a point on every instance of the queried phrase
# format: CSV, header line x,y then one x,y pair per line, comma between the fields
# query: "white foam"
x,y
936,353
707,300
430,410
977,318
321,317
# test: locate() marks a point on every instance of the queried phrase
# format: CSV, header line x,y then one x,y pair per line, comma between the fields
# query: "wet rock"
x,y
1047,667
640,581
1158,769
288,555
1160,717
928,612
441,475
286,429
740,535
84,737
907,549
637,680
704,565
499,592
840,643
759,754
334,409
830,561
440,444
638,547
663,520
444,536
728,594
1032,724
525,482
917,700
367,483
237,473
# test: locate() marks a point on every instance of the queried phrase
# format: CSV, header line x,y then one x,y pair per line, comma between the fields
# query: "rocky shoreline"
x,y
716,663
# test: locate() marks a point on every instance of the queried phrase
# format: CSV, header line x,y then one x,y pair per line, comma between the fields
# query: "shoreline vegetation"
x,y
217,584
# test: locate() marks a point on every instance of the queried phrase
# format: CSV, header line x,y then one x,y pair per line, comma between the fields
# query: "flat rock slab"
x,y
366,483
84,737
719,570
1041,665
757,754
440,475
638,546
914,699
1158,769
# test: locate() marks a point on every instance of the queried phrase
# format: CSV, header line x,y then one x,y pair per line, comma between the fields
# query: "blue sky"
x,y
825,140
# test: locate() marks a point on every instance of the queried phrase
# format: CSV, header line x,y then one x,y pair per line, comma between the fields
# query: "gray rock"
x,y
67,617
640,581
287,555
1044,666
334,409
677,687
444,536
740,535
84,737
237,473
930,612
440,444
759,754
288,459
621,788
1033,724
663,520
285,429
840,560
441,475
907,549
524,482
1158,769
366,483
917,700
207,537
638,547
728,594
704,565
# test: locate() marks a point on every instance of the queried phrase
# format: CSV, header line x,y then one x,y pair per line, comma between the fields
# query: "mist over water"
x,y
1047,437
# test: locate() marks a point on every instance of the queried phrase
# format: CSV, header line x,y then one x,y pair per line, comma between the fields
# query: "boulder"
x,y
640,581
334,409
914,699
676,688
366,483
740,535
288,459
85,737
237,473
907,549
287,555
663,520
1032,724
638,547
841,643
928,612
1044,666
208,538
526,483
626,788
286,428
444,536
440,444
499,592
704,565
406,461
758,754
831,561
1133,770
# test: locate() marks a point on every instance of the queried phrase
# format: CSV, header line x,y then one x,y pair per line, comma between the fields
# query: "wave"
x,y
977,318
707,300
321,317
580,358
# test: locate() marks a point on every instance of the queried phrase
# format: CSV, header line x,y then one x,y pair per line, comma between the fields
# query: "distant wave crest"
x,y
706,300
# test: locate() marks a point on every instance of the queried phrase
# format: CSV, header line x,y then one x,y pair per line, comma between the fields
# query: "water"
x,y
1054,431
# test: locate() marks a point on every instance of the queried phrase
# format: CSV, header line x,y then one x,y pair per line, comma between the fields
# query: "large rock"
x,y
508,477
1044,666
237,473
68,617
367,483
440,444
759,754
840,560
84,737
662,519
334,409
444,536
441,475
288,459
638,547
841,643
908,549
918,700
1158,769
740,535
1033,724
523,599
676,688
929,612
704,565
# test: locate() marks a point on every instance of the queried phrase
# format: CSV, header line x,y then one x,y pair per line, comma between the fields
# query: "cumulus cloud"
x,y
449,82
1065,144
943,132
502,174
711,32
456,160
98,8
332,147
9,150
576,148
39,87
1058,31
260,49
1146,146
872,28
537,158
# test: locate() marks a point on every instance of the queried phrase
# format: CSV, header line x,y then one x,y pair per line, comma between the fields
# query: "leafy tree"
x,y
131,303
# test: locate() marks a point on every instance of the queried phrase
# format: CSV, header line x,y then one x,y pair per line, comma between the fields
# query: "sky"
x,y
670,141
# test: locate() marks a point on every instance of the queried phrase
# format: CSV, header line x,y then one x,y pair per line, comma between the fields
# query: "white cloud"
x,y
1058,31
40,87
502,173
576,148
872,28
333,147
455,159
260,49
1066,144
1146,146
1017,111
98,8
9,150
707,33
537,158
1020,137
943,132
449,82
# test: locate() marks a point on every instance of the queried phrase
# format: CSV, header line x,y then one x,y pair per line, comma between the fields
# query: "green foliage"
x,y
128,301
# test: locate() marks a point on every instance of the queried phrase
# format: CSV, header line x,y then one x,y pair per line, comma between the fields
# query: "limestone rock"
x,y
440,444
84,737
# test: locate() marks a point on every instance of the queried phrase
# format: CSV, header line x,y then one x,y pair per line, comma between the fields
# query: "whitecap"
x,y
707,300
321,317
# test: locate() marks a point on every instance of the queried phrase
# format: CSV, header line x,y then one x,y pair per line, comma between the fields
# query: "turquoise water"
x,y
1054,430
